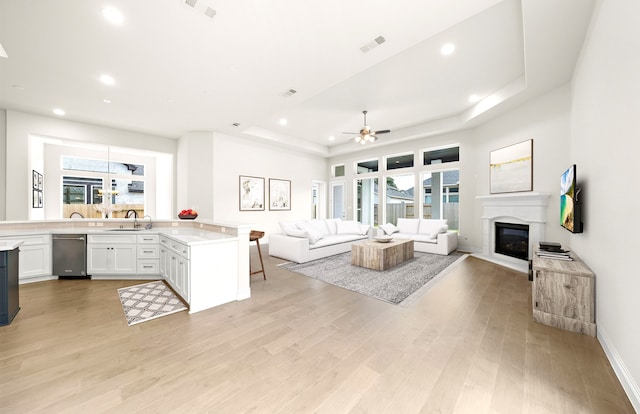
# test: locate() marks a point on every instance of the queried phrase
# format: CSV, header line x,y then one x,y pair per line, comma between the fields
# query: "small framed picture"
x,y
279,194
251,193
39,199
35,198
40,181
34,179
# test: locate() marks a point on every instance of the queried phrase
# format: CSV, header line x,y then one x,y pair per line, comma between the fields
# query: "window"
x,y
441,156
87,193
440,191
338,170
364,167
400,161
367,201
399,198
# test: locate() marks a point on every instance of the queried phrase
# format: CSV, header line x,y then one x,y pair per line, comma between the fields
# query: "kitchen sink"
x,y
139,229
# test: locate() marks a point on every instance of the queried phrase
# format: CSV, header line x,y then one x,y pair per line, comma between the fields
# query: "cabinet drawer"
x,y
148,251
181,249
148,238
31,240
148,266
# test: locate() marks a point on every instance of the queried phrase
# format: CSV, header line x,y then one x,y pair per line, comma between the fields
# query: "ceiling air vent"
x,y
289,92
372,44
200,6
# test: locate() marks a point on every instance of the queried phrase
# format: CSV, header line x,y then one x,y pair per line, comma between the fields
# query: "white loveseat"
x,y
305,240
428,235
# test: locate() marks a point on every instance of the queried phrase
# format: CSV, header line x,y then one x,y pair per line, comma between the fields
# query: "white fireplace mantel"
x,y
517,208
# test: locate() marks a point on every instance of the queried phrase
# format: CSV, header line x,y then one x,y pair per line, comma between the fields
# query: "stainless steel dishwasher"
x,y
69,255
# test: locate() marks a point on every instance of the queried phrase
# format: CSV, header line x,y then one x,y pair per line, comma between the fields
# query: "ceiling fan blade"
x,y
384,131
352,133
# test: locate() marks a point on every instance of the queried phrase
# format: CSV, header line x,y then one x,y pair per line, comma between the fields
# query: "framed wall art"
x,y
512,168
279,194
251,193
36,187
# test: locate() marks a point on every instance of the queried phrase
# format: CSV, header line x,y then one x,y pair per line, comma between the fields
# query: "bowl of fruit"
x,y
187,214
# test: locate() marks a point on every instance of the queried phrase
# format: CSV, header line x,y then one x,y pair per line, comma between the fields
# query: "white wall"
x,y
195,174
235,156
546,120
20,126
605,146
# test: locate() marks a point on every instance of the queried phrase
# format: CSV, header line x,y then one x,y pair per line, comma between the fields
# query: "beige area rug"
x,y
142,303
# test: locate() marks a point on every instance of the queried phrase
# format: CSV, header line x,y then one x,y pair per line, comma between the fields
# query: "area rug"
x,y
142,303
394,285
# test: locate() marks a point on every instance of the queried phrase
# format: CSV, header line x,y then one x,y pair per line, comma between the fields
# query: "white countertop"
x,y
6,245
186,236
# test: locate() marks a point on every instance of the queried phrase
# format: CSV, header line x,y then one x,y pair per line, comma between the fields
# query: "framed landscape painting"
x,y
279,194
251,193
512,168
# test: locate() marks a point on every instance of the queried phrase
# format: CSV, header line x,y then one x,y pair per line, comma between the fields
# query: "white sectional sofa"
x,y
428,235
305,240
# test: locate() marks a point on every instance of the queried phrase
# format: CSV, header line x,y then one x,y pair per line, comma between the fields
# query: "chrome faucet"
x,y
149,225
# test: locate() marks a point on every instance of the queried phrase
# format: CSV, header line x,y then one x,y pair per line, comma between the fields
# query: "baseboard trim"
x,y
628,382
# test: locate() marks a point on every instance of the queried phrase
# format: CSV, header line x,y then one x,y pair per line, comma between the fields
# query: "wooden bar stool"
x,y
256,236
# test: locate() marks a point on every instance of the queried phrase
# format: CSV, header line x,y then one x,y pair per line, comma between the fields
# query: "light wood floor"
x,y
469,345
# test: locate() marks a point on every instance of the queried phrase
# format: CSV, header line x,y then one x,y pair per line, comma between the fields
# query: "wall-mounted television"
x,y
570,206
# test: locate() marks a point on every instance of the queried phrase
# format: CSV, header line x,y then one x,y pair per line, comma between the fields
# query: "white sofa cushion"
x,y
332,225
389,228
335,239
312,232
364,229
290,228
348,227
423,238
432,227
408,226
319,225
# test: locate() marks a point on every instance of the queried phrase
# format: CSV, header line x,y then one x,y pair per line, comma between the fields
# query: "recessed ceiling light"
x,y
112,15
283,121
107,80
447,49
58,112
332,138
474,98
106,100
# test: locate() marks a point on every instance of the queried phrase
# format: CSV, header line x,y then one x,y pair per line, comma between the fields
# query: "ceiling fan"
x,y
366,134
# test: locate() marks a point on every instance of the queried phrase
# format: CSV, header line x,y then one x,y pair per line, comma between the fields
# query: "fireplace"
x,y
512,240
526,209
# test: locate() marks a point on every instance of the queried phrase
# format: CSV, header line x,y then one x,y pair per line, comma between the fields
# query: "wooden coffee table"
x,y
381,256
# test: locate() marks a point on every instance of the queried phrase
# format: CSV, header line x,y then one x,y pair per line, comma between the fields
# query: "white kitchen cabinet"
x,y
174,261
148,254
111,254
34,257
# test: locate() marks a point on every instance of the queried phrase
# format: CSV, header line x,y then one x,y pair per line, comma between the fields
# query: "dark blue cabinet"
x,y
9,293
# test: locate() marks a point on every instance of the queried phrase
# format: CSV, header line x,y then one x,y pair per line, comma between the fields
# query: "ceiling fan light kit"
x,y
366,134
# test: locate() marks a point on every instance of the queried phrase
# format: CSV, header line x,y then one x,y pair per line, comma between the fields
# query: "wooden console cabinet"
x,y
564,294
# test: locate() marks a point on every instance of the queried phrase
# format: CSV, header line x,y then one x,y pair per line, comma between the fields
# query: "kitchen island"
x,y
205,262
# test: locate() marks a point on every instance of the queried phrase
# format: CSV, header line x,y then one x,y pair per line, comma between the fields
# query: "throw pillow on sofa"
x,y
433,227
332,225
313,233
389,229
290,228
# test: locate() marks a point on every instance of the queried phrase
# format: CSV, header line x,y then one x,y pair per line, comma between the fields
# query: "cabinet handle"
x,y
147,267
536,304
147,251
